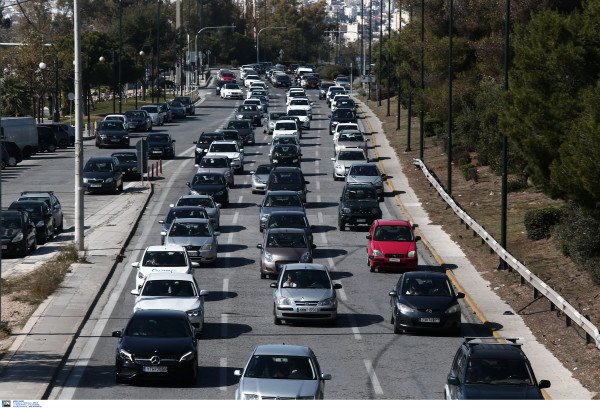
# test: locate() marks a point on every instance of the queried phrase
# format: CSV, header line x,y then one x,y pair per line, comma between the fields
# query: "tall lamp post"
x,y
503,264
141,54
450,73
102,59
42,67
258,36
198,60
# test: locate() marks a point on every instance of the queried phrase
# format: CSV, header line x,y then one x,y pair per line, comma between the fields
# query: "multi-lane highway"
x,y
366,359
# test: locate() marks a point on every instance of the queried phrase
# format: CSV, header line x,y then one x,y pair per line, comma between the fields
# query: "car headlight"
x,y
412,254
239,116
346,210
265,217
377,253
18,237
199,150
140,275
194,192
268,256
39,224
453,309
283,301
108,180
375,210
402,308
125,355
194,312
295,134
219,192
250,397
295,161
305,257
189,356
85,180
329,302
275,161
207,247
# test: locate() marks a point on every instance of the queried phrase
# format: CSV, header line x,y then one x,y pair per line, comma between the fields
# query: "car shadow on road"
x,y
230,229
229,248
219,330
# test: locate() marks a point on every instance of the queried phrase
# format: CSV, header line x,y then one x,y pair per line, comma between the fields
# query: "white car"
x,y
334,88
302,113
160,258
254,92
231,91
345,158
121,118
172,292
250,79
231,149
343,127
335,99
294,94
303,103
286,127
255,101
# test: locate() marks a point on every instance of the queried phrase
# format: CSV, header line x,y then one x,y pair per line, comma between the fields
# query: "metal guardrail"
x,y
539,285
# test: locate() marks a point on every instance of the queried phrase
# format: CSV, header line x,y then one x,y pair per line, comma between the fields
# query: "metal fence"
x,y
539,286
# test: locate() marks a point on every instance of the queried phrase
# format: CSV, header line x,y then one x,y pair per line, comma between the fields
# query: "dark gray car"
x,y
278,201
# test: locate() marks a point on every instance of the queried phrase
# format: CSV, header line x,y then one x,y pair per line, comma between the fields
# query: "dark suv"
x,y
359,204
40,215
61,132
46,139
203,143
287,179
18,233
485,369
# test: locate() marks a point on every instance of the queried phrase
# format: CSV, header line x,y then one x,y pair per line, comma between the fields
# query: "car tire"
x,y
276,320
63,144
341,226
12,161
34,246
397,330
51,148
26,249
120,189
61,227
44,239
371,267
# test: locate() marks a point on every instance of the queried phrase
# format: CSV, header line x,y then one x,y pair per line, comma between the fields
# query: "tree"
x,y
16,97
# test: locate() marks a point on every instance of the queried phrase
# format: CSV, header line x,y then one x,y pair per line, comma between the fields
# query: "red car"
x,y
227,76
392,244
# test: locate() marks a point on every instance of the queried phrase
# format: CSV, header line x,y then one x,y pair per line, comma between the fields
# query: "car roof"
x,y
165,248
286,212
360,185
281,192
287,169
186,207
100,159
495,350
282,349
174,314
287,230
305,266
169,276
193,196
392,222
192,220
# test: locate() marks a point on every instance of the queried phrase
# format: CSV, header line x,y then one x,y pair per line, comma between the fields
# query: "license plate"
x,y
4,247
115,140
156,151
96,185
395,260
361,220
193,253
156,369
308,309
429,319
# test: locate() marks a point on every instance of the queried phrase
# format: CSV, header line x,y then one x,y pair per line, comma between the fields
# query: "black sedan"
x,y
40,215
157,344
18,233
286,155
161,146
341,115
103,174
129,164
212,184
250,112
244,128
110,133
425,301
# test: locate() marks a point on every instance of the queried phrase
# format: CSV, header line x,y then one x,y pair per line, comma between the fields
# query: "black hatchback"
x,y
288,179
286,155
204,142
212,184
40,215
18,233
157,344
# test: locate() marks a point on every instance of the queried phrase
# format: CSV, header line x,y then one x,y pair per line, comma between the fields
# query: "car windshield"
x,y
223,148
306,279
286,149
177,288
263,169
134,114
291,177
351,155
126,157
99,166
190,229
214,162
150,109
297,112
498,371
196,201
288,200
157,327
343,113
351,137
276,115
285,126
239,125
184,213
10,222
286,240
35,211
161,138
209,138
176,104
427,287
369,171
341,128
248,107
214,179
361,194
282,367
231,86
111,125
284,140
287,221
400,233
165,258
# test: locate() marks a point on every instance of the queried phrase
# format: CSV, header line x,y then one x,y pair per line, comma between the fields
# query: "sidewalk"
x,y
483,300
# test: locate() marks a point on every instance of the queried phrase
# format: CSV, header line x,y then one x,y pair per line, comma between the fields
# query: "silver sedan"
x,y
196,235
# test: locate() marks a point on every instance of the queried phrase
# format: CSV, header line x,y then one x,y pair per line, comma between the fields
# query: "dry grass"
x,y
481,200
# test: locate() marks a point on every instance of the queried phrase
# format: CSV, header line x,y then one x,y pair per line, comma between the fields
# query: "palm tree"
x,y
16,97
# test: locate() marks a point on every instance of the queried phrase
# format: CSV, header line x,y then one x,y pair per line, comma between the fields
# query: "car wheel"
x,y
121,187
371,267
51,148
276,320
34,246
44,239
26,248
392,320
61,227
63,143
12,161
3,164
341,226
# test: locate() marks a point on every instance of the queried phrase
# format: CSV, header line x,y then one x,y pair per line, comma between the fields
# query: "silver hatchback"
x,y
305,292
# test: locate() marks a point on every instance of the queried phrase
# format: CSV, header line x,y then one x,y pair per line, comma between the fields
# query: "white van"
x,y
22,131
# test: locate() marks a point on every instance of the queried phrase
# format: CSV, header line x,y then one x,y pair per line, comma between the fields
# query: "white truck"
x,y
22,131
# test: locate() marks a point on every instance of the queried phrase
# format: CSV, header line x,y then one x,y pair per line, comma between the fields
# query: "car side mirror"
x,y
259,246
325,377
460,295
135,292
417,238
163,233
161,222
333,159
312,227
203,293
188,184
337,285
313,246
273,285
174,141
196,142
197,334
393,293
237,373
135,264
116,333
195,265
218,205
329,116
306,182
544,384
452,380
369,237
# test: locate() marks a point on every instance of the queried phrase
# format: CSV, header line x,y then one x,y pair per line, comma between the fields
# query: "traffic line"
x,y
223,373
225,287
374,381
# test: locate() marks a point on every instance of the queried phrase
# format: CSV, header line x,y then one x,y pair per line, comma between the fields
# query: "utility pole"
x,y
79,215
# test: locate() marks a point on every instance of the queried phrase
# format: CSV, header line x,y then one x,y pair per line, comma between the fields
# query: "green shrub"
x,y
235,63
512,186
462,161
539,223
469,172
432,126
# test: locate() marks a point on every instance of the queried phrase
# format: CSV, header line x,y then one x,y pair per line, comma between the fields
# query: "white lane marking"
x,y
317,154
318,185
240,199
225,287
223,379
374,381
235,218
324,236
224,318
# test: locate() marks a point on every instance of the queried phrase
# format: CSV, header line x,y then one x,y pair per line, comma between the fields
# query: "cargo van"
x,y
23,132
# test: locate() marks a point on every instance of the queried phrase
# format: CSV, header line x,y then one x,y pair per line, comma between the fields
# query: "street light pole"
x,y
199,61
258,35
120,50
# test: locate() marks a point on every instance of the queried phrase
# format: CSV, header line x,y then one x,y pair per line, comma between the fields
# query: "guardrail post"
x,y
552,307
482,240
588,338
536,293
491,249
568,321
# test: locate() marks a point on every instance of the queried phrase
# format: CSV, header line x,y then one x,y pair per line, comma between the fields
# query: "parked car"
x,y
46,139
196,236
110,133
138,120
221,164
305,292
358,205
178,109
484,369
18,235
169,259
165,291
41,216
212,208
260,177
4,157
204,142
367,173
160,145
244,127
122,118
212,184
51,201
188,102
175,212
61,132
288,179
165,110
15,155
281,372
278,201
129,166
138,356
392,244
157,118
282,246
103,174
